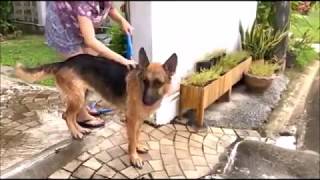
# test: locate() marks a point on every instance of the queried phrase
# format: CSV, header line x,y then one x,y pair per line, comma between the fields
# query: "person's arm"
x,y
116,16
88,33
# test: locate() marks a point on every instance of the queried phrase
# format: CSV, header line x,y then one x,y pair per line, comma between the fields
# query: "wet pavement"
x,y
31,124
30,121
253,159
311,139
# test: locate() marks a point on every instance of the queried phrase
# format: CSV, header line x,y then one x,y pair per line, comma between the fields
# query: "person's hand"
x,y
126,27
131,64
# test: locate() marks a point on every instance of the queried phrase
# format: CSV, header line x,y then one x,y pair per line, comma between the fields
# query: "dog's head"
x,y
155,77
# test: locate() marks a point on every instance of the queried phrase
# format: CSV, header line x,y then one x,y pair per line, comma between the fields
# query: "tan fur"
x,y
73,88
29,77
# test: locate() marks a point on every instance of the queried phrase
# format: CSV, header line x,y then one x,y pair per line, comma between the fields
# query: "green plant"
x,y
117,43
299,24
261,41
232,59
214,54
6,25
265,13
203,77
263,69
303,50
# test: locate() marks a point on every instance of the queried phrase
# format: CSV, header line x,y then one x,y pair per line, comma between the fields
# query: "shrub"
x,y
261,41
6,25
303,50
117,43
263,69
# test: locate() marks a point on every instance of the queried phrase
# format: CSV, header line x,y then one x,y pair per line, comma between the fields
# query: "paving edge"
x,y
297,96
51,159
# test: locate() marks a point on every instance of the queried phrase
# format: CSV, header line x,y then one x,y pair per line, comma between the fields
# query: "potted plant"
x,y
210,59
261,41
260,76
200,89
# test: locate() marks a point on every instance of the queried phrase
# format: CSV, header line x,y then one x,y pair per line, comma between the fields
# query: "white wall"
x,y
188,28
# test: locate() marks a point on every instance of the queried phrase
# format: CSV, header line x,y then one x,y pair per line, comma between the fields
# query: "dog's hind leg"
x,y
73,91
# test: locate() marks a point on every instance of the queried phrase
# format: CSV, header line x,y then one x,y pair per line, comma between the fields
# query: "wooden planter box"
x,y
199,98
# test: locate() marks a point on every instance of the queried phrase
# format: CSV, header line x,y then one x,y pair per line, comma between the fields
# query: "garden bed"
x,y
199,98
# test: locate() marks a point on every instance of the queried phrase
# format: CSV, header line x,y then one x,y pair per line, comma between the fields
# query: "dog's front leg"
x,y
132,128
140,148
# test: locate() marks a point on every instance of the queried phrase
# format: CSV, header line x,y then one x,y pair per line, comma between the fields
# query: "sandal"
x,y
90,123
95,111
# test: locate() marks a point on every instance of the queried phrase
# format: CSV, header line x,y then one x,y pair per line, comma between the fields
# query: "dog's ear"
x,y
143,58
170,65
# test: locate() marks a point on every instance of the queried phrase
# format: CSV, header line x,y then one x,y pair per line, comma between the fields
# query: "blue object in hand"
x,y
129,51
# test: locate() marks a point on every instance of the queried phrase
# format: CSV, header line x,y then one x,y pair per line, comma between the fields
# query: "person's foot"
x,y
95,111
85,119
91,123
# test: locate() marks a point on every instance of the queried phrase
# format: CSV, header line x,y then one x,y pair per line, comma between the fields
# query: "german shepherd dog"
x,y
138,92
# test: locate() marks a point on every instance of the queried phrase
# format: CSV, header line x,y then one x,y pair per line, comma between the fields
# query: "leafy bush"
x,y
303,50
263,69
118,41
265,13
261,41
6,25
299,24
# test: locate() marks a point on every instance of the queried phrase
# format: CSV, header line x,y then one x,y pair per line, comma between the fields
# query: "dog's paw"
x,y
136,161
77,135
85,130
142,149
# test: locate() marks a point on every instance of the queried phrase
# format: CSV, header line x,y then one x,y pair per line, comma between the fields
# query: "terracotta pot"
x,y
257,83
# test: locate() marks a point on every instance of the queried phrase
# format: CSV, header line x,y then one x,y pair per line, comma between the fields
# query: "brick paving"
x,y
175,151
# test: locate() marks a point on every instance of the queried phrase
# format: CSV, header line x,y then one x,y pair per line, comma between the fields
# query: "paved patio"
x,y
175,151
31,123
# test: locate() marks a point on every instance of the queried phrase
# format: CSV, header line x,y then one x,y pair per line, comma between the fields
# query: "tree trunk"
x,y
281,19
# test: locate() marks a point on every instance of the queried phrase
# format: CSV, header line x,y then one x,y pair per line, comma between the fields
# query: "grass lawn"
x,y
301,23
29,50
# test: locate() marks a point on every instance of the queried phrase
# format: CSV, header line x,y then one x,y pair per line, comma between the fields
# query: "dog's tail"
x,y
38,73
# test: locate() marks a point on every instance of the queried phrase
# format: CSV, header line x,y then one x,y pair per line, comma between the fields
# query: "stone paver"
x,y
130,172
106,172
174,153
92,163
60,174
156,165
159,175
71,166
103,156
116,164
83,172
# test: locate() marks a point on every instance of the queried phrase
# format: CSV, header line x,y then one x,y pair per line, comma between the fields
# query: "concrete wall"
x,y
189,29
